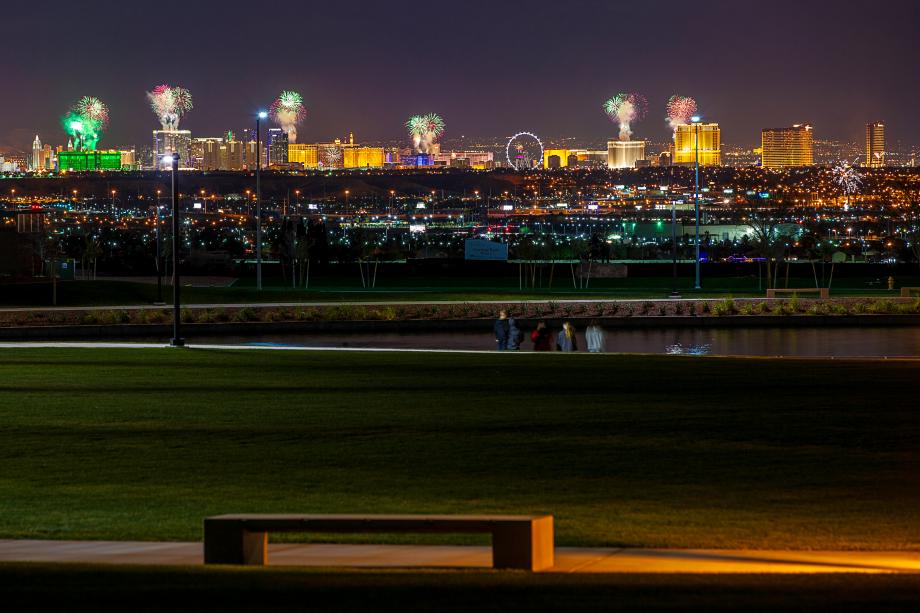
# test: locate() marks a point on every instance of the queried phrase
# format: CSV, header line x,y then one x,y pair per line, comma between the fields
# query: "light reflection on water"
x,y
800,342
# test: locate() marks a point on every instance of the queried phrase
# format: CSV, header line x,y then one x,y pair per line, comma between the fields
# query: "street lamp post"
x,y
696,197
159,255
177,340
674,292
259,117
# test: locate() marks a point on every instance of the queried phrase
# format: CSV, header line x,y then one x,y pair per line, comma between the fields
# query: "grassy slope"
x,y
106,588
650,451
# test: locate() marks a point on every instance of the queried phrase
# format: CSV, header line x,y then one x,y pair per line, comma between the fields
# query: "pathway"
x,y
568,559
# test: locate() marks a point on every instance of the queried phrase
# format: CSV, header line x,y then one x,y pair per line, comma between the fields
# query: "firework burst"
x,y
85,121
94,109
425,130
625,110
288,111
331,156
169,104
847,177
680,110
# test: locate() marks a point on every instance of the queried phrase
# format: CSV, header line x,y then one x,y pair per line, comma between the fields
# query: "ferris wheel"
x,y
524,151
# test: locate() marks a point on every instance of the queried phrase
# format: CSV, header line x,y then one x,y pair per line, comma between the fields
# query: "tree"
x,y
302,254
53,251
581,252
286,249
914,239
527,266
768,241
363,245
91,252
809,244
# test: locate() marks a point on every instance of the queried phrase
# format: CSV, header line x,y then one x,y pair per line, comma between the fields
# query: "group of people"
x,y
509,337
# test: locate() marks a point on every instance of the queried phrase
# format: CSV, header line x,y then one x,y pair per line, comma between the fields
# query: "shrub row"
x,y
689,308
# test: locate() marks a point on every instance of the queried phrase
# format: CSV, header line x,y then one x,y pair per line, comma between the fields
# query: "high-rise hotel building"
x,y
875,144
625,153
335,155
170,142
788,147
710,144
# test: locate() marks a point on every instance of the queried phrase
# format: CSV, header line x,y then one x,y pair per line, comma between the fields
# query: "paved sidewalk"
x,y
568,560
280,347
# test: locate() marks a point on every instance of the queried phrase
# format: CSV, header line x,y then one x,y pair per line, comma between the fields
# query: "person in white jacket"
x,y
596,338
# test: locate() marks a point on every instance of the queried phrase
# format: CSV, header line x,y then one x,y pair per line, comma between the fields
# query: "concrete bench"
x,y
823,292
518,541
906,291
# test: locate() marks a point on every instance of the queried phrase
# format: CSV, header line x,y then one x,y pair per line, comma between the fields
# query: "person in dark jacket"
x,y
515,336
542,338
502,331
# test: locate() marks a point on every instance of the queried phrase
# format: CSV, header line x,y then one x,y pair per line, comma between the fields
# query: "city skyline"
x,y
367,67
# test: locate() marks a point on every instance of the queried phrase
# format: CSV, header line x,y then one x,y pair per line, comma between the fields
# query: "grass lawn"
x,y
624,451
27,587
118,293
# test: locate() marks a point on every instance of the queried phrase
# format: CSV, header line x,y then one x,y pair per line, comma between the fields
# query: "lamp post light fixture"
x,y
259,117
177,340
696,195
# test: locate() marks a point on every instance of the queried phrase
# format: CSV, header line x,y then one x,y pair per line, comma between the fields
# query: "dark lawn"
x,y
413,289
623,450
59,588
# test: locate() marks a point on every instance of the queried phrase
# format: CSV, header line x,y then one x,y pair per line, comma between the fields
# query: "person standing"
x,y
502,330
565,341
514,334
541,338
595,337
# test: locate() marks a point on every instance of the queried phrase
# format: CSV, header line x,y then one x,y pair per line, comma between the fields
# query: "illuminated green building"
x,y
89,160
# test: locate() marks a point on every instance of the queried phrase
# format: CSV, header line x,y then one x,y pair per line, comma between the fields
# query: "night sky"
x,y
489,68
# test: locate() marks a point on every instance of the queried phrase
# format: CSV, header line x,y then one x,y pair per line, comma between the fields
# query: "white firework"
x,y
332,156
847,177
